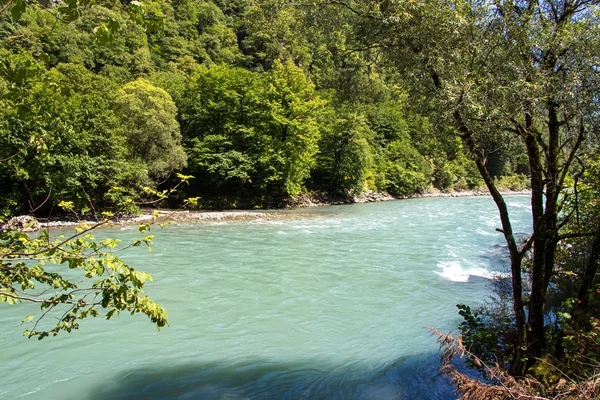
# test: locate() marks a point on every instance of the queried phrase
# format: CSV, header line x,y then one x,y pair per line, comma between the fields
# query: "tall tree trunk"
x,y
516,258
517,367
545,220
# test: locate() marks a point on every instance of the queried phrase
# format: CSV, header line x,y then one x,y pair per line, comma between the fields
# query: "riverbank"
x,y
163,216
320,199
305,200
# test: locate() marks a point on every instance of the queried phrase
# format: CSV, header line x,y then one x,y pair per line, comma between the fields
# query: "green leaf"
x,y
564,315
103,34
67,205
18,8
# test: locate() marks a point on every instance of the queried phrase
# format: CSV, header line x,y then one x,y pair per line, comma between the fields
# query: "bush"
x,y
513,182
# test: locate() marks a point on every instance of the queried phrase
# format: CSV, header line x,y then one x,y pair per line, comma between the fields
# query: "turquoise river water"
x,y
327,303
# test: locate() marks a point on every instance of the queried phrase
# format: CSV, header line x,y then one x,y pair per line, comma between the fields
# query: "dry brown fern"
x,y
502,385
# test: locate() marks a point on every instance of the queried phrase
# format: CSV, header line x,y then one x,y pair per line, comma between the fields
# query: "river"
x,y
327,303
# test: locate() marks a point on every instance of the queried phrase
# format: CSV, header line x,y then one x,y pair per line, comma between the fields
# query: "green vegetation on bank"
x,y
260,100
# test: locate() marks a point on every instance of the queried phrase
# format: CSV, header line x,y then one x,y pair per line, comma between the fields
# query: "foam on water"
x,y
520,204
455,272
484,232
451,251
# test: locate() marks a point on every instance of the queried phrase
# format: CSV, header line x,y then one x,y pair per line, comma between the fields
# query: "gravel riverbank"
x,y
301,201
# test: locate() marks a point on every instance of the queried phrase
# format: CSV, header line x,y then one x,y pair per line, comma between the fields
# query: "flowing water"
x,y
328,303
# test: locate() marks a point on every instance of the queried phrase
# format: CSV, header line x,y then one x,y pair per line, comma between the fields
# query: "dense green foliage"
x,y
266,100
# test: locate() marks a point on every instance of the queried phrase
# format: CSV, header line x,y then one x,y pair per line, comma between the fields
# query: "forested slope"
x,y
259,100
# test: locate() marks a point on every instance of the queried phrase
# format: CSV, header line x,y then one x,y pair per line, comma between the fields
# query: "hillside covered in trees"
x,y
258,100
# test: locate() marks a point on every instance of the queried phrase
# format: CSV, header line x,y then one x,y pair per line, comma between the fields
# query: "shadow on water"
x,y
407,378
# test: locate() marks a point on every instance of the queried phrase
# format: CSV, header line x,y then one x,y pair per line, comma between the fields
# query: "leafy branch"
x,y
28,272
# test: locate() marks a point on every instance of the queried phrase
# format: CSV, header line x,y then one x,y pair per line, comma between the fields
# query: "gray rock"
x,y
24,223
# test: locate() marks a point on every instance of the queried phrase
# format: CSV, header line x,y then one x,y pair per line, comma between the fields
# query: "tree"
x,y
345,157
538,85
61,137
575,295
192,28
223,113
407,170
271,32
152,132
292,126
500,72
30,270
252,133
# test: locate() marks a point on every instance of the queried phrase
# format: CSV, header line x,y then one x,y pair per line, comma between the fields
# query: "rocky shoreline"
x,y
319,199
163,216
305,200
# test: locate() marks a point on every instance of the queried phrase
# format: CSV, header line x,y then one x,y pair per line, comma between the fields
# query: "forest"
x,y
265,100
259,101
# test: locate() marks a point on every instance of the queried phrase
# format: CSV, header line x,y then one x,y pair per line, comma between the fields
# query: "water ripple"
x,y
330,304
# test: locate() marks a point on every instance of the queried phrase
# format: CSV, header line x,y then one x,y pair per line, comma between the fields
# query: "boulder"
x,y
25,223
